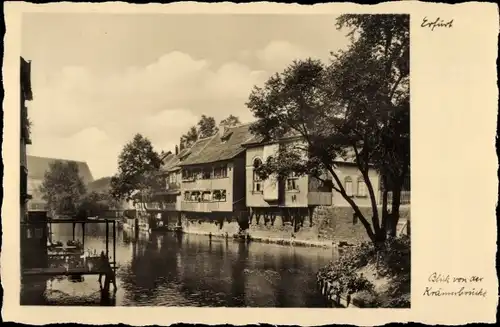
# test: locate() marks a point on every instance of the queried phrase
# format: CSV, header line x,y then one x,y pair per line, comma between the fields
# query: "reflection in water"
x,y
187,270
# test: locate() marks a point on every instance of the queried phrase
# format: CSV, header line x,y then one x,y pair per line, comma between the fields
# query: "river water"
x,y
167,269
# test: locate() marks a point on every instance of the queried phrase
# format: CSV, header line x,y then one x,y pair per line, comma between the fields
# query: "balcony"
x,y
173,187
23,158
25,125
160,206
202,206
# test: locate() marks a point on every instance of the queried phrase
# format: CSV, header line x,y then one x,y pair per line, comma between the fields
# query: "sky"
x,y
98,79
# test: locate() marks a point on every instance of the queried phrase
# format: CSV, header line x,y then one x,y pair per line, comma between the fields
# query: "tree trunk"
x,y
396,202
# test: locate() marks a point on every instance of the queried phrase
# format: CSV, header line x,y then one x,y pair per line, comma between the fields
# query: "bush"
x,y
391,260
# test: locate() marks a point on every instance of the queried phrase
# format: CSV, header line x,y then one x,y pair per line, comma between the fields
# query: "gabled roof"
x,y
37,166
219,148
100,185
257,139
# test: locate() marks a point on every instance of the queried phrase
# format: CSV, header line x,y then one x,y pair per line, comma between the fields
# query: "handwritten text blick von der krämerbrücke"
x,y
448,285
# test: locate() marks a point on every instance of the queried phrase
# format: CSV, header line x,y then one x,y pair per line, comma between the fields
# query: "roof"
x,y
258,139
37,166
100,185
219,148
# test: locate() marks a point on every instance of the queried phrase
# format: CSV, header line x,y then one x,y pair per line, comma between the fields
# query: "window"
x,y
257,181
195,196
197,174
207,196
219,195
207,173
348,186
187,174
291,182
187,196
220,171
361,187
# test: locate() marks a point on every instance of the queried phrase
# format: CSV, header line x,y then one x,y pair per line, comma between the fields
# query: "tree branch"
x,y
354,206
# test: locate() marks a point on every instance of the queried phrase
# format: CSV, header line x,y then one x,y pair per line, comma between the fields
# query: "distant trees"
x,y
189,138
138,167
66,194
62,188
205,127
359,101
230,121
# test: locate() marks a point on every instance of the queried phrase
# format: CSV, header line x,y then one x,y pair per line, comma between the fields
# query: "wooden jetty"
x,y
92,265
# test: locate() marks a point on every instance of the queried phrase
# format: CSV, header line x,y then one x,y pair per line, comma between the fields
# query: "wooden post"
x,y
114,242
107,239
73,231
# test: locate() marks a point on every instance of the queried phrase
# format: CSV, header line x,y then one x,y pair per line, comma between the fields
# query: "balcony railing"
x,y
405,197
201,206
172,186
160,206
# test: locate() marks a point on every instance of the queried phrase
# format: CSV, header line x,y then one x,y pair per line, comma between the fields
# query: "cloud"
x,y
83,114
278,54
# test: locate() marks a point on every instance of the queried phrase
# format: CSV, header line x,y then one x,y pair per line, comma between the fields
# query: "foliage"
x,y
95,204
62,188
391,260
138,167
354,108
343,275
189,138
205,127
230,121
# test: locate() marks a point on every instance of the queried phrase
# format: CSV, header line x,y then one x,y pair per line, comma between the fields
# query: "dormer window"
x,y
225,137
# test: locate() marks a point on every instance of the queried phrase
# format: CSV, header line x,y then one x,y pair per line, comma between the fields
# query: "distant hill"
x,y
37,166
100,185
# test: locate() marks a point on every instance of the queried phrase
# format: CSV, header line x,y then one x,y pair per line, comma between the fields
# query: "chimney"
x,y
222,129
176,150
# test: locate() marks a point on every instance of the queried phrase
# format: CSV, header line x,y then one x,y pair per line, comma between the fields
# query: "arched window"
x,y
257,181
361,187
348,185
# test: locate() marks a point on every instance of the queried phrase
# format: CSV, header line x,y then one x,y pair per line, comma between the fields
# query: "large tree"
x,y
63,188
356,107
138,167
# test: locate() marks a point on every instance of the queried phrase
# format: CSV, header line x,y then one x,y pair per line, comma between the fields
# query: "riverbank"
x,y
328,227
235,234
368,278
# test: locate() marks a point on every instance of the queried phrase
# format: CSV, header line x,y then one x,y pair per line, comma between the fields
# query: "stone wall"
x,y
217,228
329,225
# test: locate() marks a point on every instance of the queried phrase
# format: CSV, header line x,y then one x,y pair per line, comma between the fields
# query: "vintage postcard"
x,y
250,163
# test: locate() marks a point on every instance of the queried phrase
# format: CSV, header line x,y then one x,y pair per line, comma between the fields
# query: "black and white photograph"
x,y
215,160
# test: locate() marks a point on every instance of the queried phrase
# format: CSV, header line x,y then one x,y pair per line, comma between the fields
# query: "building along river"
x,y
168,269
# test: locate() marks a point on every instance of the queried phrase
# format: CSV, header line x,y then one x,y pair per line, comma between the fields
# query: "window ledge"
x,y
292,191
257,192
